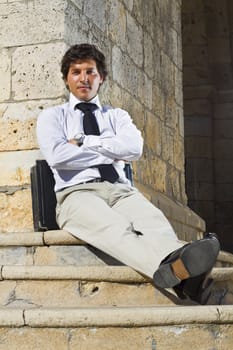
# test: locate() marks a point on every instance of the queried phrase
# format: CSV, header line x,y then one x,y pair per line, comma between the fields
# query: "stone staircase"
x,y
58,293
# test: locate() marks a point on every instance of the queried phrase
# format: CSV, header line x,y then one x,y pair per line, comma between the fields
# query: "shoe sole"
x,y
196,258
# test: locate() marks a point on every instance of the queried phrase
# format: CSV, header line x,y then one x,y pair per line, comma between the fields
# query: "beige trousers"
x,y
118,220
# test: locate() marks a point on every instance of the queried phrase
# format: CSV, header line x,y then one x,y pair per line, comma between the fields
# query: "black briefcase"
x,y
43,196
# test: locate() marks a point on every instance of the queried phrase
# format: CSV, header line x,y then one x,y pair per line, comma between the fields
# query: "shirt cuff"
x,y
92,141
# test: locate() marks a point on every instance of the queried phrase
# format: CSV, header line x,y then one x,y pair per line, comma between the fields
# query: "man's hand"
x,y
73,142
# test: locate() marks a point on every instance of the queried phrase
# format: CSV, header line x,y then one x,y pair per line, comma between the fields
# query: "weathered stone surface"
x,y
77,294
128,316
117,23
59,255
18,121
218,337
37,64
165,338
10,318
16,256
96,13
135,40
25,23
5,75
15,167
136,46
36,339
16,211
27,239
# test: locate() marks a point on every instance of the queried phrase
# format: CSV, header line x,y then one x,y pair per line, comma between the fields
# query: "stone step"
x,y
105,328
45,286
60,248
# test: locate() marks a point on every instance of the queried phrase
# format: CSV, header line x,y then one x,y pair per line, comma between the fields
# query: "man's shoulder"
x,y
55,110
114,110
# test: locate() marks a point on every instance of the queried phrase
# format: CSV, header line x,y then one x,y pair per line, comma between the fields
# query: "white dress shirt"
x,y
119,141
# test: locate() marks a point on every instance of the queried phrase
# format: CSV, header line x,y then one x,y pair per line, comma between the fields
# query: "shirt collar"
x,y
73,101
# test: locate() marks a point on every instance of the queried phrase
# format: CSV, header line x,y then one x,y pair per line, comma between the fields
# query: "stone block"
x,y
10,318
224,128
122,67
77,294
222,76
178,157
199,107
25,23
206,209
198,126
223,171
150,58
96,13
223,110
5,75
224,212
167,145
16,211
193,76
18,123
70,255
178,87
223,149
166,338
34,338
77,26
173,183
201,169
167,75
15,167
200,191
117,24
16,256
145,90
171,113
224,192
34,67
196,56
134,33
78,3
198,147
159,102
157,174
129,4
153,134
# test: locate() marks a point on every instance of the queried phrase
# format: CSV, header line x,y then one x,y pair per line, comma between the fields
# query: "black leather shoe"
x,y
197,289
191,260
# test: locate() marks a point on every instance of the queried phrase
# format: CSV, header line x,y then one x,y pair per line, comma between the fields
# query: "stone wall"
x,y
142,42
208,106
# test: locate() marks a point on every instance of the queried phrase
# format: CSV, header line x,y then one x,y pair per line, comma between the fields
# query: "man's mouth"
x,y
84,87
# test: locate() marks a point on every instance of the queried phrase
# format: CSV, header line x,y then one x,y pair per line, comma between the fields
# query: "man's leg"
x,y
85,211
191,263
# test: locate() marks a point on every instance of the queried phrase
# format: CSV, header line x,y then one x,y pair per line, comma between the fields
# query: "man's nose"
x,y
83,76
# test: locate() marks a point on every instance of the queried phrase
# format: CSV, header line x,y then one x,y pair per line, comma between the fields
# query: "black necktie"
x,y
90,127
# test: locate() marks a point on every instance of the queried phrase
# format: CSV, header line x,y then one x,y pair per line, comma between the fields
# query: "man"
x,y
86,145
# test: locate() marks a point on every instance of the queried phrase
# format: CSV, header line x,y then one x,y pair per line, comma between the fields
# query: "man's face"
x,y
83,79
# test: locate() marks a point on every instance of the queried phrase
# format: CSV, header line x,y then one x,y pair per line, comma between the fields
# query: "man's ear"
x,y
66,84
102,79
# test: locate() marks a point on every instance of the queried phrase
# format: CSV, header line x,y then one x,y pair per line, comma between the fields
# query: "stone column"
x,y
142,42
31,44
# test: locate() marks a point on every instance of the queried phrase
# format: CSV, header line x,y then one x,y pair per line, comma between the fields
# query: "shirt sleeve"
x,y
126,143
56,149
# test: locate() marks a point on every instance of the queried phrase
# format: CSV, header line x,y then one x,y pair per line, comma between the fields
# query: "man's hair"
x,y
82,52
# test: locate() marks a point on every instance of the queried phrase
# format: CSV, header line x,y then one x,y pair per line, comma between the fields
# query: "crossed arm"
x,y
63,153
